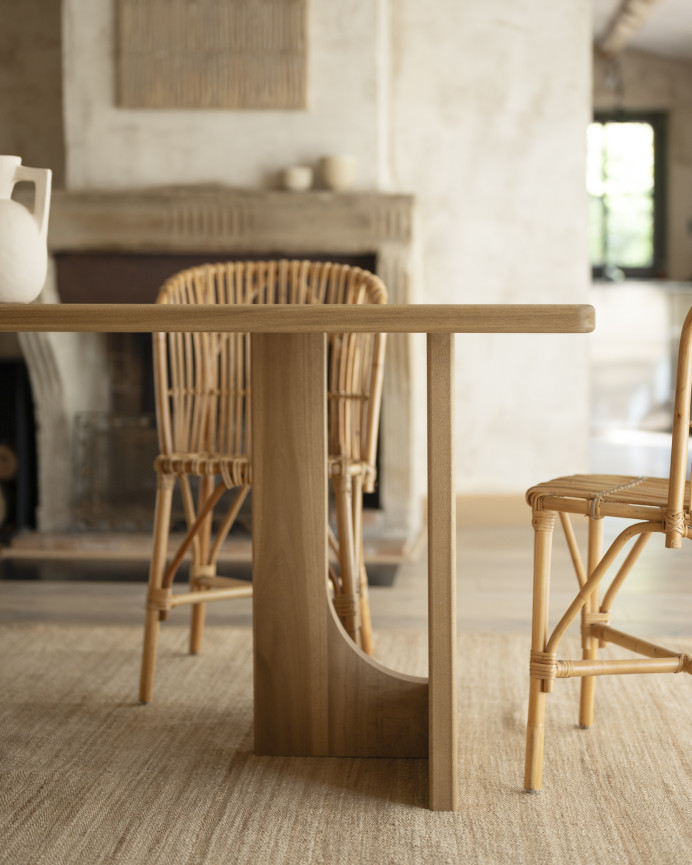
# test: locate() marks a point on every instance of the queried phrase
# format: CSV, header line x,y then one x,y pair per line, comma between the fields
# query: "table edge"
x,y
317,318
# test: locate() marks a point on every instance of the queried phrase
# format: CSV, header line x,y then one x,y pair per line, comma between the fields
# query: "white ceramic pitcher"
x,y
23,253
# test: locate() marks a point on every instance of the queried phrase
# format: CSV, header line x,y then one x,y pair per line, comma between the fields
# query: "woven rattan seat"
x,y
649,506
236,470
204,422
640,498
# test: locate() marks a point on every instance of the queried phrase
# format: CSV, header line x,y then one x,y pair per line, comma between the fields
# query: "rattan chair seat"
x,y
236,470
604,496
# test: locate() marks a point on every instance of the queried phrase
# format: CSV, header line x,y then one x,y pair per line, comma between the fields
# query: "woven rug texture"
x,y
89,776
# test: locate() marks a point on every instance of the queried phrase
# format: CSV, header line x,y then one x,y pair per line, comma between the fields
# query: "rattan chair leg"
x,y
543,524
197,619
590,643
199,610
149,650
162,520
346,602
535,737
365,619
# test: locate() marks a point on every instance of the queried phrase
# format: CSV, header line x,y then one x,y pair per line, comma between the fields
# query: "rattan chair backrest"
x,y
675,520
203,379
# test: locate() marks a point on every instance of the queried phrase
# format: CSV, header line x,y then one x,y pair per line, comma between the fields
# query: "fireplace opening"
x,y
113,483
18,478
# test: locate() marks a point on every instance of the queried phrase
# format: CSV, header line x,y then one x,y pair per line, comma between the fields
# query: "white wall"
x,y
490,106
480,110
110,147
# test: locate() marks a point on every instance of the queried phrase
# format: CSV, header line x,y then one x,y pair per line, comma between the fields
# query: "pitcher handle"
x,y
41,178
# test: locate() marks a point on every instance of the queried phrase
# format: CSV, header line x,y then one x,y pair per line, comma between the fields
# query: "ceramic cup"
x,y
297,178
338,172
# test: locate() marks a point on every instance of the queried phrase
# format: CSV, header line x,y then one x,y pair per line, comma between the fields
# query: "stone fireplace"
x,y
70,372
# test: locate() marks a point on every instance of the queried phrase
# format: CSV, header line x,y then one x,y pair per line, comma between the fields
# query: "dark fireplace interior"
x,y
113,485
18,488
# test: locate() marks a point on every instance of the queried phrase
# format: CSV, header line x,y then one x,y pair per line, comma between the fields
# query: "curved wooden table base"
x,y
373,711
316,693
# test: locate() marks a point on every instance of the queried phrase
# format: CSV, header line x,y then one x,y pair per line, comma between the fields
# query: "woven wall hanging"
x,y
212,54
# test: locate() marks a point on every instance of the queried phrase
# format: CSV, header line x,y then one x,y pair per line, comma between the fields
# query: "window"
x,y
625,185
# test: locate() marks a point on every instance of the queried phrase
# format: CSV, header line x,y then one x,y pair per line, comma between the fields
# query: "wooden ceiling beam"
x,y
627,20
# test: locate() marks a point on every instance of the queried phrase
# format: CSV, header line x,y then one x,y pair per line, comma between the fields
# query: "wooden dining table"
x,y
315,692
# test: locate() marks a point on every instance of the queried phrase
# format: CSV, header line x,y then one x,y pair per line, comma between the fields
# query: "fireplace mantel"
x,y
220,220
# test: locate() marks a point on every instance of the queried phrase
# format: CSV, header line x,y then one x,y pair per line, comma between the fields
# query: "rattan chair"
x,y
202,406
656,505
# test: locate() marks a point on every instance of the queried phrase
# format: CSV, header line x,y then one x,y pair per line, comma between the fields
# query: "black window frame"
x,y
658,120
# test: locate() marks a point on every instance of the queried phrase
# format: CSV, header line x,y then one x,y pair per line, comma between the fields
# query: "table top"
x,y
289,318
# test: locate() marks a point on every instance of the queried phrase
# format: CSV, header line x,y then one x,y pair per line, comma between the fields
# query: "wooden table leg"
x,y
289,494
442,574
316,692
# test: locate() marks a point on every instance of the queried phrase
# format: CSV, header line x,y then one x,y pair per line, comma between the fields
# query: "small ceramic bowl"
x,y
297,178
338,172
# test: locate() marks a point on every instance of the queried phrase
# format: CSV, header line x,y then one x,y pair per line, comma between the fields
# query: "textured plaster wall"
x,y
490,103
111,147
480,110
31,84
651,83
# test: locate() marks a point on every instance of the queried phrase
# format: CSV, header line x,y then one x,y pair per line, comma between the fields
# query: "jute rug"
x,y
89,776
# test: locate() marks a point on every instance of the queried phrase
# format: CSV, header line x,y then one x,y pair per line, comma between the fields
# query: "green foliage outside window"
x,y
620,183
